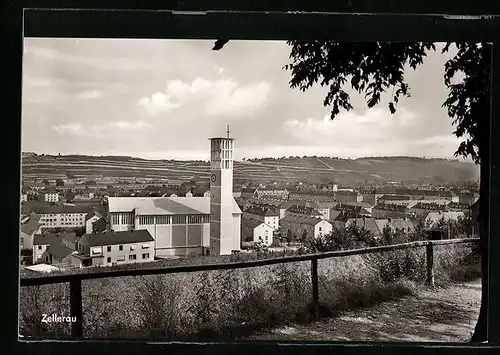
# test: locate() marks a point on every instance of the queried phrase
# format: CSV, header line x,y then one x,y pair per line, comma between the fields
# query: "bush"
x,y
218,304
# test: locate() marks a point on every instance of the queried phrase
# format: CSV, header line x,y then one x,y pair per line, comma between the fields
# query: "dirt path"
x,y
440,315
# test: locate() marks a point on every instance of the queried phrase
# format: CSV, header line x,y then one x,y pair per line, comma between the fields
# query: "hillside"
x,y
312,169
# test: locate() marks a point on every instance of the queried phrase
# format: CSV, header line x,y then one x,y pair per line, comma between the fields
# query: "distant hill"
x,y
312,169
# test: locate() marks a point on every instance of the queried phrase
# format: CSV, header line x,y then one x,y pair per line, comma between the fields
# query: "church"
x,y
185,226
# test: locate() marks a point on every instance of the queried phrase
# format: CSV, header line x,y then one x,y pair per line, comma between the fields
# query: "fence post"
x,y
430,264
315,292
75,299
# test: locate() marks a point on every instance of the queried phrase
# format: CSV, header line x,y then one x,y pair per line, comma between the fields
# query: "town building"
x,y
95,224
271,193
300,211
386,210
225,215
62,216
348,196
256,231
57,241
433,218
304,227
57,255
367,223
112,248
51,197
30,226
180,225
265,214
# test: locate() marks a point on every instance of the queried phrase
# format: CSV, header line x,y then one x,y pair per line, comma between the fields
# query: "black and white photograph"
x,y
287,190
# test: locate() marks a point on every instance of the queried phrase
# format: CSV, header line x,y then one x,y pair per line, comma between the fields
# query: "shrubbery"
x,y
230,303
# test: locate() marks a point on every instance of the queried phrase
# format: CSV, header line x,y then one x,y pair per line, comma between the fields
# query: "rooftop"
x,y
250,223
310,211
46,239
163,205
61,209
59,250
262,210
302,220
114,238
31,225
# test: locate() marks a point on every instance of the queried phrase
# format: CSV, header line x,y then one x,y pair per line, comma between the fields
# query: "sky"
x,y
163,99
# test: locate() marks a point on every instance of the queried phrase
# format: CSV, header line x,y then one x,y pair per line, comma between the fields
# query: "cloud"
x,y
123,125
157,103
38,82
220,70
376,132
101,131
220,97
90,94
73,128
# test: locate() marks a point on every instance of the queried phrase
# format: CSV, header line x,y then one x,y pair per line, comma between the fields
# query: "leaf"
x,y
392,108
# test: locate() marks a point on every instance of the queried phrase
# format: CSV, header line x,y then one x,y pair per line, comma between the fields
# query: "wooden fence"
x,y
75,277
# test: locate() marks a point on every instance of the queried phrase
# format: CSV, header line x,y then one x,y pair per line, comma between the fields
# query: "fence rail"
x,y
75,277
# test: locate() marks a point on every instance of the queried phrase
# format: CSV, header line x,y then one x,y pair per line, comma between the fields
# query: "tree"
x,y
374,68
59,182
45,182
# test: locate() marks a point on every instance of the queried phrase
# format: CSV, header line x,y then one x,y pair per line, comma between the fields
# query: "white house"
x,y
62,216
304,227
41,242
265,214
256,231
434,217
272,193
51,197
111,248
29,227
95,223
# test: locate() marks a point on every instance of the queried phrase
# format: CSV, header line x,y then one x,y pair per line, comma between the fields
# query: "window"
x,y
127,218
132,257
120,248
179,219
131,247
145,256
39,247
120,258
145,246
108,249
162,219
115,218
96,250
109,260
320,229
195,219
146,220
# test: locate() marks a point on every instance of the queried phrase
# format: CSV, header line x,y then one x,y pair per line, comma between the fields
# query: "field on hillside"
x,y
319,170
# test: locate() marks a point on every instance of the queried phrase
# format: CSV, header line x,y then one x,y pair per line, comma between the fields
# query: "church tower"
x,y
221,195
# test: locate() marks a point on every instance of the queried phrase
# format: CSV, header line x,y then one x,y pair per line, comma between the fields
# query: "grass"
x,y
230,303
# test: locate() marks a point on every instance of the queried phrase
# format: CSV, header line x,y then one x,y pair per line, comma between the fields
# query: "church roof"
x,y
163,205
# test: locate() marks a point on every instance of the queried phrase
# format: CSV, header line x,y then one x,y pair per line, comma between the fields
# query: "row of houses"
x,y
59,217
372,197
263,218
94,249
